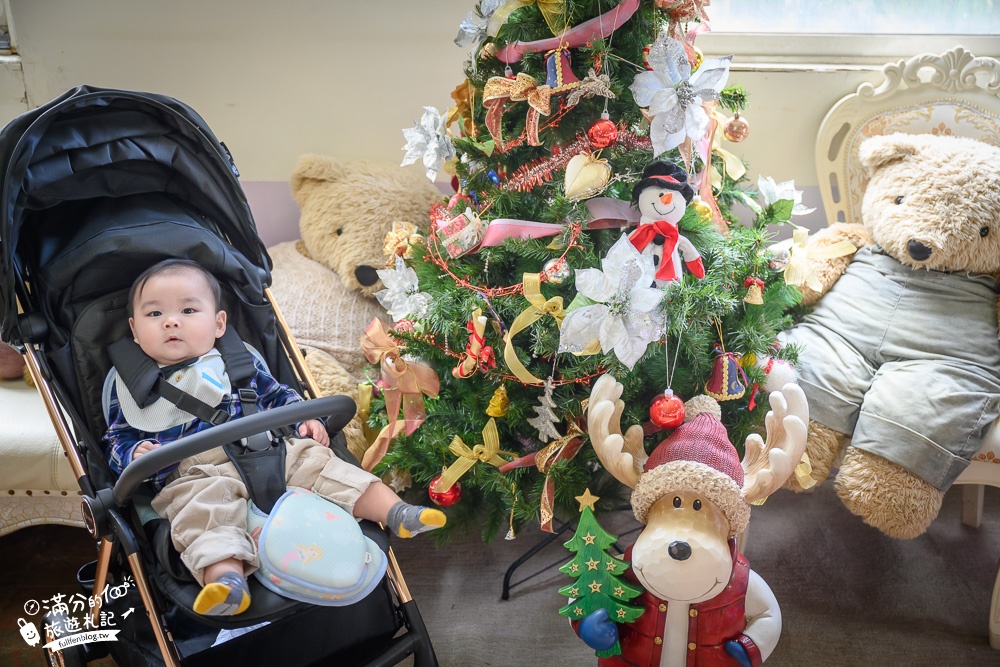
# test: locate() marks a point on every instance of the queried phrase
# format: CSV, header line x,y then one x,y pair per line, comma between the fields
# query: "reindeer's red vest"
x,y
712,623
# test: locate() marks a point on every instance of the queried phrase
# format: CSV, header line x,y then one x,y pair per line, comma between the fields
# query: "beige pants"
x,y
206,503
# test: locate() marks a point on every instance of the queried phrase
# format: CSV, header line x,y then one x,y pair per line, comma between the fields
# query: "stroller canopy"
x,y
129,153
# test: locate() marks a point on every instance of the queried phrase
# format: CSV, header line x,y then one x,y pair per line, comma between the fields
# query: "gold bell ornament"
x,y
499,404
755,291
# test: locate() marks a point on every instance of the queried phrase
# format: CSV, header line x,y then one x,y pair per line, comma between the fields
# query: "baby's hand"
x,y
314,429
144,447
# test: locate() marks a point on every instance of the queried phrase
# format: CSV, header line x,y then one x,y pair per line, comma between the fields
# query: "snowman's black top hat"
x,y
663,175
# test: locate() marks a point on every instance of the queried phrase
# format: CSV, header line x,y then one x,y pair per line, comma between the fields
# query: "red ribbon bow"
x,y
499,90
644,235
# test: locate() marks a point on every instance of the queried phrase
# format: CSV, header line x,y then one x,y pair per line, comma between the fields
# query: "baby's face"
x,y
175,317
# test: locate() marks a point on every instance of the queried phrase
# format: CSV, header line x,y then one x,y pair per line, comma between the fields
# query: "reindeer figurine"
x,y
704,606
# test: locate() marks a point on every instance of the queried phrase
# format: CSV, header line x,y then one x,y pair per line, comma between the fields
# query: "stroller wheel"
x,y
71,656
68,657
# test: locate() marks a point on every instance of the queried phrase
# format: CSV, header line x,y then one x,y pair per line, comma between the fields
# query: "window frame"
x,y
785,52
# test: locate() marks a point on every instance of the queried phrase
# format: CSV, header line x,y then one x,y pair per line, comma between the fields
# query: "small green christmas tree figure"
x,y
597,573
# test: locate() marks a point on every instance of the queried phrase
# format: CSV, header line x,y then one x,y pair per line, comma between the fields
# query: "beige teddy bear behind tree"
x,y
901,353
325,282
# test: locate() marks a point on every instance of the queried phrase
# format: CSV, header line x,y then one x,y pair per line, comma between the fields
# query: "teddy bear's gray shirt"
x,y
906,361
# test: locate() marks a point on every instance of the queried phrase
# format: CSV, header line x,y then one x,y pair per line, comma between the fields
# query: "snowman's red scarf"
x,y
644,235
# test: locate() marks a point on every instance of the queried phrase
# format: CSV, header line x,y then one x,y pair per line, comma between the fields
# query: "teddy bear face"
x,y
347,207
934,202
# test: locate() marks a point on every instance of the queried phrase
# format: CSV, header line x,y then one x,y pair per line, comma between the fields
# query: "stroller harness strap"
x,y
259,463
147,382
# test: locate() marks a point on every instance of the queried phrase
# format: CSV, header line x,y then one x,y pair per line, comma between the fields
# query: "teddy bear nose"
x,y
918,250
666,198
679,550
366,275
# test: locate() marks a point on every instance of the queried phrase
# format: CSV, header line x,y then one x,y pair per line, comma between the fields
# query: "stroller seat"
x,y
101,184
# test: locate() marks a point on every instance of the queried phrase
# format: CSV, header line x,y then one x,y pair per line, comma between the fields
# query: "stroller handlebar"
x,y
339,410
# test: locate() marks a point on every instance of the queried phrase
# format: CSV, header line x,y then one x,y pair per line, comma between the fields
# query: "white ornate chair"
x,y
951,93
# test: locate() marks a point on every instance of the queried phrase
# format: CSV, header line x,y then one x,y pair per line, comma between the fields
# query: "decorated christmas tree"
x,y
597,574
576,121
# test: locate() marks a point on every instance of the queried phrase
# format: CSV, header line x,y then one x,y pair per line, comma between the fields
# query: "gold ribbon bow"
x,y
487,452
553,11
705,189
731,164
538,307
499,90
798,270
803,475
404,385
563,449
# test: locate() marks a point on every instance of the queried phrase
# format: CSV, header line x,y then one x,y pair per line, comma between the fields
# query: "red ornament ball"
x,y
459,202
667,410
603,133
445,498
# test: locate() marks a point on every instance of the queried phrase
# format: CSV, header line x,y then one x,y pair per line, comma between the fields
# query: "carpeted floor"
x,y
849,596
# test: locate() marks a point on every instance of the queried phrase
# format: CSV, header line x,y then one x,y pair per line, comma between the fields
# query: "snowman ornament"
x,y
662,195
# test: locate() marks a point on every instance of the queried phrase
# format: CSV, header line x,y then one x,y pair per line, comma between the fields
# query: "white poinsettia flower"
x,y
673,96
429,142
627,316
472,31
772,192
402,297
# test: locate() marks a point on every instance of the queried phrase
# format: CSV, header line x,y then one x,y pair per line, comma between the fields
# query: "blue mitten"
x,y
739,654
598,632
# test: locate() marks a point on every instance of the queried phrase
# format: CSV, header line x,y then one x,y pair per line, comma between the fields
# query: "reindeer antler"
x,y
622,456
766,465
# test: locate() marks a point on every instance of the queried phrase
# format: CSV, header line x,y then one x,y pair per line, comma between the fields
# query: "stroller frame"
x,y
104,509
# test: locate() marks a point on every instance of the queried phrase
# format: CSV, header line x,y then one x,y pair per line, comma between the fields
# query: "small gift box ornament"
x,y
462,233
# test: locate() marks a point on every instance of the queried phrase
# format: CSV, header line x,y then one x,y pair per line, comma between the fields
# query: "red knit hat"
x,y
697,457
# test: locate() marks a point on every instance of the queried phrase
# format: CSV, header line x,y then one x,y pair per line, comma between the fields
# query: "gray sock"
x,y
226,596
407,520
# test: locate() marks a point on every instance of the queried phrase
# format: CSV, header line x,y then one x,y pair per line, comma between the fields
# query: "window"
x,y
885,17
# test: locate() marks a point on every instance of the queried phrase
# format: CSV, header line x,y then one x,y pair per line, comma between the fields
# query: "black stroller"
x,y
98,185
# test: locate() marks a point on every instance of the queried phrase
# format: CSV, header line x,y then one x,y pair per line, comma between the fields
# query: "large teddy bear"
x,y
324,283
900,354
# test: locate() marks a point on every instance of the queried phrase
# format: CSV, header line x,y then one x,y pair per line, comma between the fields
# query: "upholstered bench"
x,y
37,485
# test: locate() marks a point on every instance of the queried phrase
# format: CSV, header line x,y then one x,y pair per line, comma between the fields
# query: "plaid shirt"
x,y
121,439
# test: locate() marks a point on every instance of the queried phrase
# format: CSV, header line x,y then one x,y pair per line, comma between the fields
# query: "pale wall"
x,y
278,79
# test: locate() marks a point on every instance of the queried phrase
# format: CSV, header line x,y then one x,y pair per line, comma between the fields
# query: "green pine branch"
x,y
700,313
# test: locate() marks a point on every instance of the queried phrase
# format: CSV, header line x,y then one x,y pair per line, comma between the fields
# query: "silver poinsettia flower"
x,y
627,316
402,297
673,96
429,142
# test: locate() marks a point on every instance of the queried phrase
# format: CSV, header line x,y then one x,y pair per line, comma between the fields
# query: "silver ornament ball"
x,y
558,270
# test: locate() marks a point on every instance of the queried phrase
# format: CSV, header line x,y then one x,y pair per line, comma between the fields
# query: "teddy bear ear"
x,y
312,167
879,151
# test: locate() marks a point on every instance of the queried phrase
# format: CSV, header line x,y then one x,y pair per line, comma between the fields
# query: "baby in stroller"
x,y
175,315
